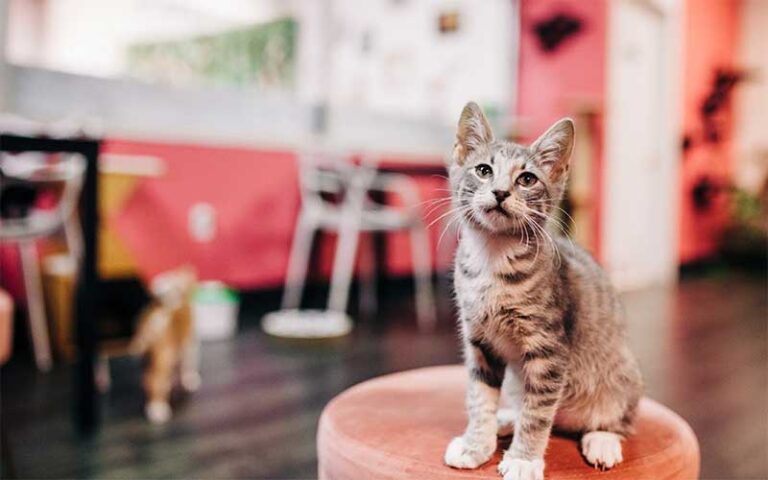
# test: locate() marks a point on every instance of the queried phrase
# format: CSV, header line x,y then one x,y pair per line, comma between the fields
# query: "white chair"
x,y
323,176
67,174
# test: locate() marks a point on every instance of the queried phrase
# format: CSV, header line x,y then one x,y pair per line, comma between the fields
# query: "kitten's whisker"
x,y
560,224
449,212
551,241
525,231
445,229
436,206
528,221
555,219
439,200
434,201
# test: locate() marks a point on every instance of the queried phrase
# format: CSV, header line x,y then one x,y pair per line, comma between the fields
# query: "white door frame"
x,y
670,120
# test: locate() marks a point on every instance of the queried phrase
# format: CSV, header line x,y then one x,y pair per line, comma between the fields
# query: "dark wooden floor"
x,y
703,347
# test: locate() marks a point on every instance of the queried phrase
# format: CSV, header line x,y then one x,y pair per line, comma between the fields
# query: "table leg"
x,y
86,399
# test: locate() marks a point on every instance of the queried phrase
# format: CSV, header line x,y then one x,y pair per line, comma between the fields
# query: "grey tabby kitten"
x,y
542,329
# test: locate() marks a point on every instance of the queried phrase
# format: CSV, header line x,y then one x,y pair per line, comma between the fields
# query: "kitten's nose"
x,y
500,195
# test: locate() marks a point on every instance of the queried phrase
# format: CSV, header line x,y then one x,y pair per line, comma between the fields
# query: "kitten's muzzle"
x,y
501,195
497,209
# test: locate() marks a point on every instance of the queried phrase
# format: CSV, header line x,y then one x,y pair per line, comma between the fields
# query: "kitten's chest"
x,y
483,304
493,289
483,293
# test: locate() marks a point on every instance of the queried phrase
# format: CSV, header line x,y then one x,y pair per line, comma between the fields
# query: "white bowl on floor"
x,y
309,324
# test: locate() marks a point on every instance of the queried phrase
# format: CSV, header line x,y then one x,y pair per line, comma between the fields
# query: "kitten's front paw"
x,y
519,469
602,449
460,454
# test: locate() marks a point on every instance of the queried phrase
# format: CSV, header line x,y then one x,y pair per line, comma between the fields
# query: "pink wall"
x,y
256,198
710,42
552,83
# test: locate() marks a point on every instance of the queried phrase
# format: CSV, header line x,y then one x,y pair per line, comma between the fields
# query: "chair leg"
x,y
38,324
73,236
298,263
344,264
368,285
422,275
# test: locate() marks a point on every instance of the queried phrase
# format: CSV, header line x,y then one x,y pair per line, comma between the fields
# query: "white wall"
x,y
751,125
411,69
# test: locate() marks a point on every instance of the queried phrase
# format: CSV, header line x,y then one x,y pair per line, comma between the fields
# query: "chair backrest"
x,y
326,178
321,174
33,169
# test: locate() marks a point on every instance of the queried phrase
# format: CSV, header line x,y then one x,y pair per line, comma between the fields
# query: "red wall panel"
x,y
552,84
710,42
255,196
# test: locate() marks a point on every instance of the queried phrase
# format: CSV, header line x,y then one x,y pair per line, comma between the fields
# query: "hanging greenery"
x,y
261,56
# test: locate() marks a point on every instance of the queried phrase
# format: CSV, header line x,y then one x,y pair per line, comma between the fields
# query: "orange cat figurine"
x,y
166,335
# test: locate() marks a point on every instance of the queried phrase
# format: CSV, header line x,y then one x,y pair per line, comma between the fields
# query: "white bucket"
x,y
214,310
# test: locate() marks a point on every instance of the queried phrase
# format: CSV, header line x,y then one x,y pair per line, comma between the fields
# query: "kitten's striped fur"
x,y
540,322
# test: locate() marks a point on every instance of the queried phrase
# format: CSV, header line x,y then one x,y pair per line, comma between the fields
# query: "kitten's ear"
x,y
553,149
473,132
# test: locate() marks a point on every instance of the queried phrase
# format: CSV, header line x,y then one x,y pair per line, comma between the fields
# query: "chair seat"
x,y
39,223
372,219
397,427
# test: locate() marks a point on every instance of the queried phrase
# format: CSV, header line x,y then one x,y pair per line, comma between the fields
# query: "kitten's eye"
x,y
483,170
526,179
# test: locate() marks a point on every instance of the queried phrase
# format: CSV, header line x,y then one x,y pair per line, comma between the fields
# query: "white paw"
x,y
506,418
461,455
157,412
519,469
190,381
602,449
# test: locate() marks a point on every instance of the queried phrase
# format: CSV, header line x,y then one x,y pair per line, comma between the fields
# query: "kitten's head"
x,y
498,186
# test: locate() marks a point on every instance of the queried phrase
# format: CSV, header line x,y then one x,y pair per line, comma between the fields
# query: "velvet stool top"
x,y
397,427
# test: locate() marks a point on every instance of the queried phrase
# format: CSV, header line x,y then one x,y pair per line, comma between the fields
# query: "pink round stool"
x,y
397,427
6,326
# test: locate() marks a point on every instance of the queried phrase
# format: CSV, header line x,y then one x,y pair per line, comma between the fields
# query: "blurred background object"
x,y
214,310
40,196
192,118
